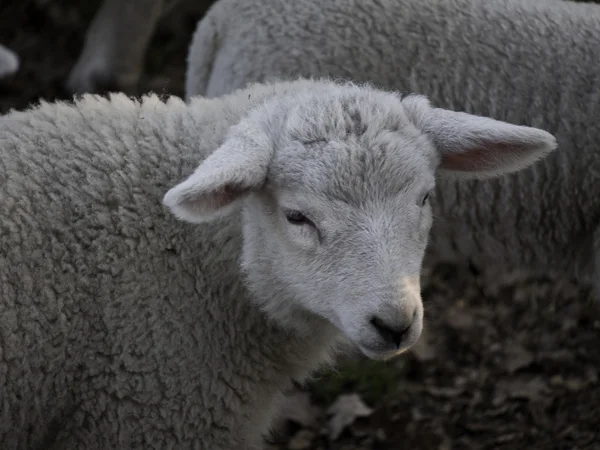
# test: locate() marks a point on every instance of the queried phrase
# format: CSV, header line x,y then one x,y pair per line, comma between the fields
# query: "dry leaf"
x,y
301,440
531,390
344,411
459,318
517,358
423,350
444,392
299,409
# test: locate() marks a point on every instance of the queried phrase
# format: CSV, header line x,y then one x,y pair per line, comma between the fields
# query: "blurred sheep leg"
x,y
9,62
115,45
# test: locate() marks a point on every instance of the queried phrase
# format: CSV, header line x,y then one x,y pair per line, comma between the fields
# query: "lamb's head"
x,y
335,183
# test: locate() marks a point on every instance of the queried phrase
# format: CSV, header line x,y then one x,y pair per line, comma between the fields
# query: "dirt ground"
x,y
506,362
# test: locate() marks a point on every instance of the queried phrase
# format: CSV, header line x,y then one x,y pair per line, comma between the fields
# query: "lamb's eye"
x,y
425,198
297,218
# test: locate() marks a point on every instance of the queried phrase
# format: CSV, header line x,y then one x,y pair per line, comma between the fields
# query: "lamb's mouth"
x,y
380,355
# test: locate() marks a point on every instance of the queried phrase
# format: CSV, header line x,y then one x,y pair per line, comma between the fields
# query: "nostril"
x,y
389,334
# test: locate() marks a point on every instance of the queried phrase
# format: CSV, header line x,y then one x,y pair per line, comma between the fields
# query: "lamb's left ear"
x,y
223,178
478,147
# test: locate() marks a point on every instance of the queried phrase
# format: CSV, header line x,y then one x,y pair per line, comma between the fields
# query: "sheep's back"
x,y
101,290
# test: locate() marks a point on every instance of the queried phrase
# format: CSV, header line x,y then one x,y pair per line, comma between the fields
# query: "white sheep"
x,y
125,328
521,61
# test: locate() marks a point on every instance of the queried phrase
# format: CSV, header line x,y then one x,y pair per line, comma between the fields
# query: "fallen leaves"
x,y
459,318
533,389
303,439
344,411
315,422
423,350
517,357
299,409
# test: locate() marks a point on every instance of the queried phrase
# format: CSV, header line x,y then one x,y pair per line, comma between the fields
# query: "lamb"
x,y
168,269
522,61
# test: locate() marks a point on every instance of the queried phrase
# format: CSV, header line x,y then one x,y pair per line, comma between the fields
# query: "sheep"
x,y
168,269
9,62
521,61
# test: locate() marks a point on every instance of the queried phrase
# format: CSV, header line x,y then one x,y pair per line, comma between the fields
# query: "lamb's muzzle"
x,y
396,323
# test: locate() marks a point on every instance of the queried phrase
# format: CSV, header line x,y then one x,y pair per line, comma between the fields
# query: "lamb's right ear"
x,y
472,146
224,178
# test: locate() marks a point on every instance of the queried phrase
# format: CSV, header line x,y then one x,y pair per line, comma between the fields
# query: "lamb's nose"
x,y
392,335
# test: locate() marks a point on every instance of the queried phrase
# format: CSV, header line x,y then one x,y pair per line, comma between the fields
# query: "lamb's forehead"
x,y
359,138
330,112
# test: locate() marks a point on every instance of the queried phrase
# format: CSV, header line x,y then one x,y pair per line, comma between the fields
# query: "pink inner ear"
x,y
474,159
481,158
216,199
224,196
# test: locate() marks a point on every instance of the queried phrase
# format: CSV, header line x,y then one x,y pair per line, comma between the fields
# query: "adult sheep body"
x,y
523,61
124,328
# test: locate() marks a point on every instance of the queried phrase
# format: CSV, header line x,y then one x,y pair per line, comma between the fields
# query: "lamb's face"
x,y
341,225
335,182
